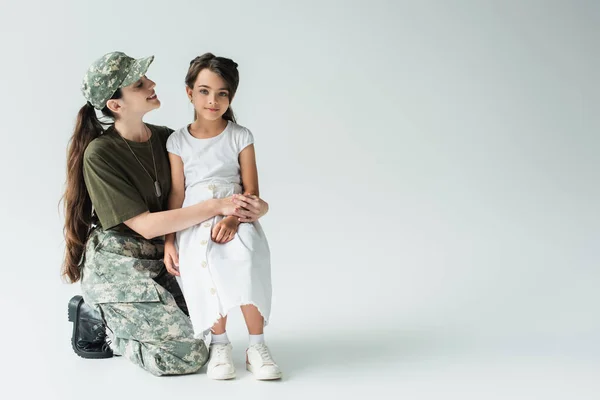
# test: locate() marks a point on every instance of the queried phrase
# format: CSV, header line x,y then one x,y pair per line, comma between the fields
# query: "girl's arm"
x,y
249,175
250,201
248,171
177,193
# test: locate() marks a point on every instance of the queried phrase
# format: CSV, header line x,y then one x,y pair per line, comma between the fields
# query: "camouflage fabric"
x,y
125,277
109,73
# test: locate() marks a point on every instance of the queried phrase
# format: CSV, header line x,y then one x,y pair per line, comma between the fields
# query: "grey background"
x,y
432,169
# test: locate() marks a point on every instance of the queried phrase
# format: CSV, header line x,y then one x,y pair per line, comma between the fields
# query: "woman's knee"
x,y
169,358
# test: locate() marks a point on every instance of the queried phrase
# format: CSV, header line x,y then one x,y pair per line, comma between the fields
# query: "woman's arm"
x,y
151,225
177,193
247,208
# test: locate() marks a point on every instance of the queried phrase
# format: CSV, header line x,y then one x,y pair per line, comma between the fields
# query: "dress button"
x,y
213,291
203,264
206,224
203,242
211,187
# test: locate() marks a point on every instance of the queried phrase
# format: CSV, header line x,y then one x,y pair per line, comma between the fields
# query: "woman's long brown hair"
x,y
76,199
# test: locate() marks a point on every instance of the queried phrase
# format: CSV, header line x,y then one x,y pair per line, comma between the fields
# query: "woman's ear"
x,y
189,93
114,105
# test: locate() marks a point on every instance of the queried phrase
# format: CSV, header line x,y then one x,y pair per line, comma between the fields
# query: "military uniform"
x,y
123,274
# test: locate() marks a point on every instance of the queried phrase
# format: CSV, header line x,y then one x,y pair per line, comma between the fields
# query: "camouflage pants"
x,y
142,304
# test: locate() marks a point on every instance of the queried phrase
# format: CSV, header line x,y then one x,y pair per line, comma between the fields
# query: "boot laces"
x,y
102,336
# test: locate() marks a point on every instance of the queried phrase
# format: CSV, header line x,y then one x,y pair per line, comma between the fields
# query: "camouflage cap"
x,y
109,73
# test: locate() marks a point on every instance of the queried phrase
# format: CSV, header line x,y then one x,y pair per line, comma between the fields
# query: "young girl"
x,y
223,262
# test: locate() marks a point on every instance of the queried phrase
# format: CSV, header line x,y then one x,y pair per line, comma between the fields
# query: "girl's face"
x,y
210,95
138,98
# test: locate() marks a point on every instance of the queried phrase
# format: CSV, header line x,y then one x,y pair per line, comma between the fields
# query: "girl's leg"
x,y
220,362
254,320
220,326
258,356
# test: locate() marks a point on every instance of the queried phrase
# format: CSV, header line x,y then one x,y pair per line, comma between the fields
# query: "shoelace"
x,y
101,336
264,354
221,354
106,346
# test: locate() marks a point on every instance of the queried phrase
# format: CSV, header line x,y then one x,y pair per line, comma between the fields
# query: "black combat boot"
x,y
89,331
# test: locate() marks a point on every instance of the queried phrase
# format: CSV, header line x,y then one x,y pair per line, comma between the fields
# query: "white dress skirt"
x,y
216,278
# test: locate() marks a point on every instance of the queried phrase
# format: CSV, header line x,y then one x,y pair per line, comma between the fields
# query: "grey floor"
x,y
340,362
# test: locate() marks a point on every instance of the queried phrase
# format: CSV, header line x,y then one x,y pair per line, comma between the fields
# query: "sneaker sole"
x,y
221,377
73,316
264,377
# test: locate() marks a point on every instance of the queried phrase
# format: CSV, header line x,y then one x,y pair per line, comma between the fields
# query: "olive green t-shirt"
x,y
118,186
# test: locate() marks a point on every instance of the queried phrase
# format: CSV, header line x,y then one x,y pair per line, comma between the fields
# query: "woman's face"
x,y
138,98
209,95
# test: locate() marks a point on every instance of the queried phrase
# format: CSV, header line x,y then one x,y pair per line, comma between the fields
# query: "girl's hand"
x,y
171,259
225,230
252,207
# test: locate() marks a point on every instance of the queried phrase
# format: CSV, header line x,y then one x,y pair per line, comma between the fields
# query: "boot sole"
x,y
73,315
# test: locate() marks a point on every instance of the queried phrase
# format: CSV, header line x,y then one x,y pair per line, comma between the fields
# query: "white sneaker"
x,y
220,362
260,363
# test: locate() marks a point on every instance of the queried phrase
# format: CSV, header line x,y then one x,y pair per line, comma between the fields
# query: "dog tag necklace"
x,y
157,189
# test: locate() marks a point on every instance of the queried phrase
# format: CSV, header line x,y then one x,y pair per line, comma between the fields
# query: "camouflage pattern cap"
x,y
109,73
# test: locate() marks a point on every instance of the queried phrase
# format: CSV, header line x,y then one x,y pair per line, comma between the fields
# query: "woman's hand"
x,y
171,258
225,230
252,207
248,208
227,207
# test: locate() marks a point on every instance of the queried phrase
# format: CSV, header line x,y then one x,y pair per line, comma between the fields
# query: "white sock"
x,y
256,339
220,339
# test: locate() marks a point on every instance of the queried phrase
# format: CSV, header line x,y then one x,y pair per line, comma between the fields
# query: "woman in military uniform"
x,y
118,180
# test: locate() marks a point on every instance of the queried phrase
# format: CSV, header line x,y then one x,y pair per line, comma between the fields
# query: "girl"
x,y
223,262
116,214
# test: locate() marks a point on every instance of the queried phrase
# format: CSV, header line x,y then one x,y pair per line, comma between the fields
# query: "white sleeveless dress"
x,y
218,277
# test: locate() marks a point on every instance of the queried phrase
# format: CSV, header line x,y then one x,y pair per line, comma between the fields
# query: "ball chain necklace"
x,y
157,189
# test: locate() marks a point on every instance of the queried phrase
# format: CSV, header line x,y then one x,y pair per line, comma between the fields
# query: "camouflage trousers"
x,y
124,276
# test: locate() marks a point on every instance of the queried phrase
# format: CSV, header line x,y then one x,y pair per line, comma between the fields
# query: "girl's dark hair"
x,y
76,200
226,68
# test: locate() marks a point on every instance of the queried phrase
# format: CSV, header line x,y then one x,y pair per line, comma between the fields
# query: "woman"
x,y
118,182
